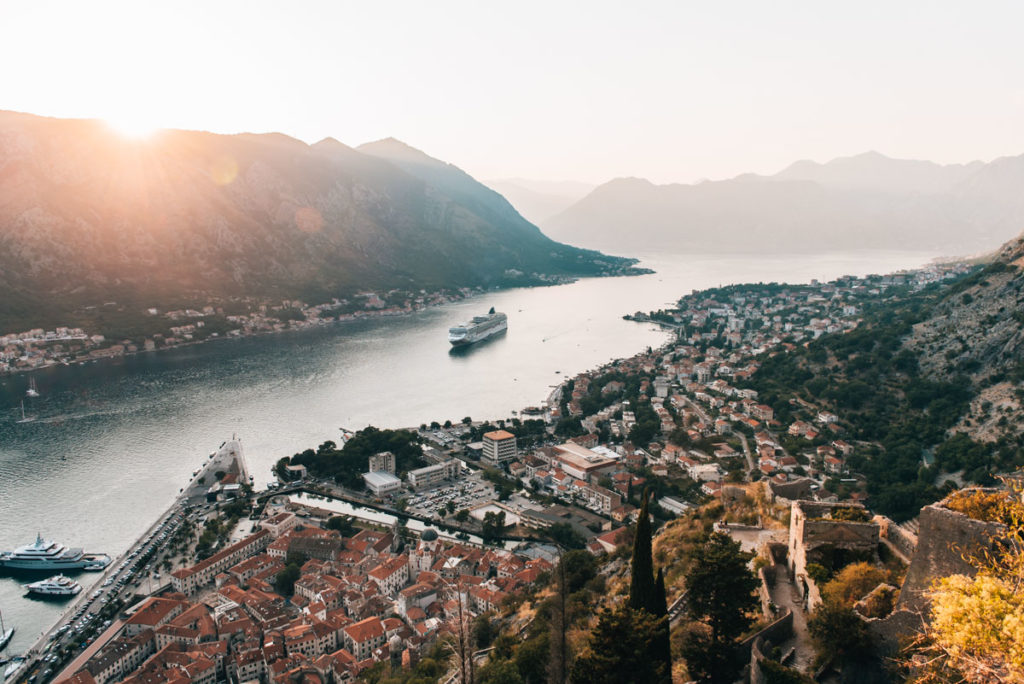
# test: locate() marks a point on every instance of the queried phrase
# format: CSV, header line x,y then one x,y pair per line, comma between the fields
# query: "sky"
x,y
587,91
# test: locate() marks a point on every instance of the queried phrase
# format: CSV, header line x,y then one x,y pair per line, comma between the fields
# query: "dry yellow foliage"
x,y
977,623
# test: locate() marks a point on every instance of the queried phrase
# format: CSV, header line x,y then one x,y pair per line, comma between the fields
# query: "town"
x,y
309,594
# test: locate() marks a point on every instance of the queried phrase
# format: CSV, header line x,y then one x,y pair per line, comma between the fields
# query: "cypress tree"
x,y
641,581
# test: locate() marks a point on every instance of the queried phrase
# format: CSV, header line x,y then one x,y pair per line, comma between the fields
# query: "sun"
x,y
131,127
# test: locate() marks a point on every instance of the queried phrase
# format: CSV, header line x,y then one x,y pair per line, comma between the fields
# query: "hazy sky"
x,y
672,91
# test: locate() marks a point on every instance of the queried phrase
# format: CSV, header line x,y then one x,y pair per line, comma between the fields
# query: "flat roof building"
x,y
381,483
500,447
432,475
579,461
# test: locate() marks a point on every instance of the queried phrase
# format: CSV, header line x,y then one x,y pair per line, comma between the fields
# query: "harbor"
x,y
87,621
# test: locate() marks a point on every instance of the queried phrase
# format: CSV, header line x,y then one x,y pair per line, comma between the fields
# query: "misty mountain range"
x,y
539,200
869,201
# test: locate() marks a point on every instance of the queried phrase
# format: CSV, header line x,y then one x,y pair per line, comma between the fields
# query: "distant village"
x,y
39,348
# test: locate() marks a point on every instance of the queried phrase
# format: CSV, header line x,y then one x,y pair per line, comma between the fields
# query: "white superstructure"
x,y
478,329
58,585
50,555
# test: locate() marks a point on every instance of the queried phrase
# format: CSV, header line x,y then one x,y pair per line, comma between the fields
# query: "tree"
x,y
720,598
852,583
463,515
483,631
641,578
500,672
341,524
493,526
644,591
839,633
565,536
619,650
281,468
284,581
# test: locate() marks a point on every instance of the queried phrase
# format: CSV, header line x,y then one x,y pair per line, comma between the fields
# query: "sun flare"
x,y
131,127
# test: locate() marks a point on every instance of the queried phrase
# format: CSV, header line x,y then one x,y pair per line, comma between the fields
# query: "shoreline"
x,y
344,318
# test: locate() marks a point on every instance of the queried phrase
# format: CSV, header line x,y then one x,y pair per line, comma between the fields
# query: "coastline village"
x,y
39,348
671,421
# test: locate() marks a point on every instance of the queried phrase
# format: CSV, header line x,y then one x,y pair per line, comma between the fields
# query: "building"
x,y
187,580
381,484
391,575
384,462
364,636
500,447
432,475
580,462
828,533
280,523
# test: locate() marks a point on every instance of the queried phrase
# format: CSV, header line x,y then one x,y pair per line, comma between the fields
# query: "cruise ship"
x,y
50,555
58,585
478,329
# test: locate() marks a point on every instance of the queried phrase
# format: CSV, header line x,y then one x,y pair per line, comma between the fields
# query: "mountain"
x,y
867,201
538,201
87,216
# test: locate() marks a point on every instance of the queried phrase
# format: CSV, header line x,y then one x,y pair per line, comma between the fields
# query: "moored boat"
x,y
50,555
58,585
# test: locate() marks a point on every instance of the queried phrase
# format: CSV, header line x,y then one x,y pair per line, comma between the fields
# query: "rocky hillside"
x,y
929,385
865,202
87,216
977,328
977,332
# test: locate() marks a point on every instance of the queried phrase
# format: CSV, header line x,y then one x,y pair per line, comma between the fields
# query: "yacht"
x,y
32,390
50,555
58,585
478,329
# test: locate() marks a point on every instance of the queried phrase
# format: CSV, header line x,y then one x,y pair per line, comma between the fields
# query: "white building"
x,y
432,475
381,483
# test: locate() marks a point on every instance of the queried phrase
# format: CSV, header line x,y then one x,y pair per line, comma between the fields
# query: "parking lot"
x,y
467,492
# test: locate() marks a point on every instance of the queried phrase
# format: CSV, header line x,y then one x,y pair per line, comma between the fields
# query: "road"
x,y
706,419
746,452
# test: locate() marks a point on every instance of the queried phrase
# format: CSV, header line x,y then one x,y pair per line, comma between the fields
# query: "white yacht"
x,y
50,555
478,329
58,585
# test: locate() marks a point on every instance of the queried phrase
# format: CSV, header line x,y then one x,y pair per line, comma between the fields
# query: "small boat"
x,y
5,633
32,390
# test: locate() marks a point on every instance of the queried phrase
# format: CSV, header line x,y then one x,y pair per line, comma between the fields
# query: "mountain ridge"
x,y
864,201
88,216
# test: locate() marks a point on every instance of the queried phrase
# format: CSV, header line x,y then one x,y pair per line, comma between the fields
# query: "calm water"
x,y
113,442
